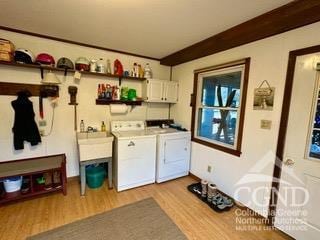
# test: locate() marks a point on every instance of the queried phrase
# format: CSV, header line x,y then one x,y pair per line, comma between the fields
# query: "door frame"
x,y
286,103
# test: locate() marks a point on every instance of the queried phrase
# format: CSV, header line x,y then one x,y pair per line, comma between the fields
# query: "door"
x,y
173,156
171,91
155,91
298,211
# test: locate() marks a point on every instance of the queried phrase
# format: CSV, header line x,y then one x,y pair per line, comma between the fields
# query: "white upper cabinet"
x,y
155,90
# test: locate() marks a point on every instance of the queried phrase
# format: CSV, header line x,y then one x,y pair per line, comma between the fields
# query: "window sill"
x,y
234,152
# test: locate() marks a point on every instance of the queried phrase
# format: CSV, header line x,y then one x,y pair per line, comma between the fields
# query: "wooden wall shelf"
x,y
11,89
127,102
36,66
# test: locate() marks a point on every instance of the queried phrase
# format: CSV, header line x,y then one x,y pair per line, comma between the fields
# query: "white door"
x,y
155,91
173,158
298,210
171,91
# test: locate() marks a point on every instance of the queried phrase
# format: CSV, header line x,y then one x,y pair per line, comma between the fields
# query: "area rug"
x,y
141,220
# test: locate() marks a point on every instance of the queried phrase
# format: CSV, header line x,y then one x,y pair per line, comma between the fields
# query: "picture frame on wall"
x,y
264,97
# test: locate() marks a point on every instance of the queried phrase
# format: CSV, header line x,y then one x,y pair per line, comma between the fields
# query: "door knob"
x,y
289,162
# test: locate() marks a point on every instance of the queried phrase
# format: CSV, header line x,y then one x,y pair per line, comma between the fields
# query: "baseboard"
x,y
74,178
194,177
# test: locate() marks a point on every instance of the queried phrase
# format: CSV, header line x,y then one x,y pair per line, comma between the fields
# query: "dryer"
x,y
173,152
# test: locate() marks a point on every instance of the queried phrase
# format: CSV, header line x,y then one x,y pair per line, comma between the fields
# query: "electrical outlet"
x,y
42,123
265,124
209,168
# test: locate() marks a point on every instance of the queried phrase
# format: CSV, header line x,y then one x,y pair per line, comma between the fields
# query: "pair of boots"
x,y
209,190
52,180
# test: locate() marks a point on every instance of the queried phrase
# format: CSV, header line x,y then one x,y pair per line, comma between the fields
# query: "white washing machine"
x,y
173,151
134,154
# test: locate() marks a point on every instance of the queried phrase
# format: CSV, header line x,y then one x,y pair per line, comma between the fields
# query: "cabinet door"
x,y
171,91
155,91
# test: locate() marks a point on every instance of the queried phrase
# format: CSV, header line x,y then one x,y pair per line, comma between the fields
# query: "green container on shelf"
x,y
95,176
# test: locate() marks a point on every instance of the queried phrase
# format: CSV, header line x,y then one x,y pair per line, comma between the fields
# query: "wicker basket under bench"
x,y
33,168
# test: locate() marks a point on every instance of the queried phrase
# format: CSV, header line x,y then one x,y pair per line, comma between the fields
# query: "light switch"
x,y
265,124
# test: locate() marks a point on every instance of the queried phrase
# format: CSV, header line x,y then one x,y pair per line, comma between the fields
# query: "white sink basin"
x,y
94,145
94,137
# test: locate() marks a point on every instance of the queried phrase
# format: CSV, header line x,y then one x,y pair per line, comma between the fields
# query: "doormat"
x,y
143,220
218,200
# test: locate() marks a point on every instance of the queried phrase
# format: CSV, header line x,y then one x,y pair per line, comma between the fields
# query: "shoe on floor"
x,y
47,180
57,179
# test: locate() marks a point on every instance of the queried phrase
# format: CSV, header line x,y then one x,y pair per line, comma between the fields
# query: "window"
x,y
313,150
218,109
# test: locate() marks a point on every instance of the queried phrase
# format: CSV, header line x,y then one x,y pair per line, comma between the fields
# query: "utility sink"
x,y
94,145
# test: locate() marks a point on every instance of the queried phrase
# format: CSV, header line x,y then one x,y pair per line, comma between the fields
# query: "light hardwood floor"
x,y
194,218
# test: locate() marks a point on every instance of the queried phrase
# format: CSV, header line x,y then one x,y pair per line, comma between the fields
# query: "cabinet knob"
x,y
165,99
131,144
162,98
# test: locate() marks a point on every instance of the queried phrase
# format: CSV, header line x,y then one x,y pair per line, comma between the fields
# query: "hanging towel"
x,y
24,128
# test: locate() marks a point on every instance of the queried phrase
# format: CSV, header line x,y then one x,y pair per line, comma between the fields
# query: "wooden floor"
x,y
194,218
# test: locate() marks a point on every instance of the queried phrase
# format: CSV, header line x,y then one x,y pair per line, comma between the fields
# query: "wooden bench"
x,y
33,168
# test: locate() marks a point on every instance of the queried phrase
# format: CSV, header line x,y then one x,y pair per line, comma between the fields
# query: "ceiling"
x,y
154,28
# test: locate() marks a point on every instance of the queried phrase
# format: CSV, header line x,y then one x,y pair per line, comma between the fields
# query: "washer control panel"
x,y
119,126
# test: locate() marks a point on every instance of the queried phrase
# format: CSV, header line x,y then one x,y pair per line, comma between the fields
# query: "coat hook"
x,y
41,72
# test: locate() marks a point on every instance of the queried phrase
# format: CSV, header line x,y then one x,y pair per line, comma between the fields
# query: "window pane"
x,y
317,117
229,85
218,125
315,144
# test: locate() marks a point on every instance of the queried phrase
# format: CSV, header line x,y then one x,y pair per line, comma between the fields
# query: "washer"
x,y
173,150
134,154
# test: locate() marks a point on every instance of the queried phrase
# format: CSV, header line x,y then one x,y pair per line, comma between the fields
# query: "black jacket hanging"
x,y
24,128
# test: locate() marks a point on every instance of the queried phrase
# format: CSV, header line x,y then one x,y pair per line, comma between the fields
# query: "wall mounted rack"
x,y
12,89
41,68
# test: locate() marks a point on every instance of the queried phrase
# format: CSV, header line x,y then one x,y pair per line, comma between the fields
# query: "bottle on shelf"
x,y
101,67
108,66
99,91
103,127
103,91
82,128
140,71
147,71
93,65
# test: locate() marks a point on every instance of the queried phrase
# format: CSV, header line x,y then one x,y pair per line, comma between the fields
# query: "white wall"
x,y
269,59
62,139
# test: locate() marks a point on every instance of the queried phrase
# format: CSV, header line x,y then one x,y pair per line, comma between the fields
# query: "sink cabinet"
x,y
94,148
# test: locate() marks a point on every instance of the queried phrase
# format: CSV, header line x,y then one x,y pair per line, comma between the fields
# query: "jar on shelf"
x,y
93,65
101,66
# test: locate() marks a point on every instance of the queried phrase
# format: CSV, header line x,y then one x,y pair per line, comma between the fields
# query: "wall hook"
x,y
41,72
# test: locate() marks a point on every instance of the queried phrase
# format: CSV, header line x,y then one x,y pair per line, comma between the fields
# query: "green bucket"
x,y
95,176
